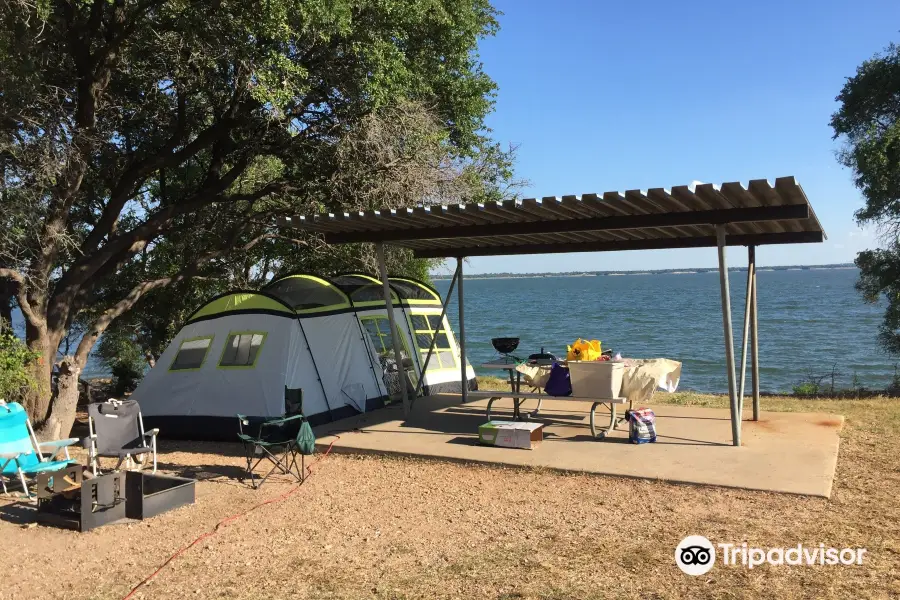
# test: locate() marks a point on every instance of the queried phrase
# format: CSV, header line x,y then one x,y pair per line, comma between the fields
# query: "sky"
x,y
651,93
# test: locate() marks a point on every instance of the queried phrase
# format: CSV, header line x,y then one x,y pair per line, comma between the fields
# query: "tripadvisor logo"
x,y
696,555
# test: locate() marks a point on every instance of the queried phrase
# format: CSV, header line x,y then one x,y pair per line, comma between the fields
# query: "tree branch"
x,y
22,298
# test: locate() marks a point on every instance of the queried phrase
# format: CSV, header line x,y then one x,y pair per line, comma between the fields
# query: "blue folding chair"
x,y
20,452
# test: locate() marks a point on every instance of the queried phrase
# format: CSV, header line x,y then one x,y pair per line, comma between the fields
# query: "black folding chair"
x,y
277,441
117,430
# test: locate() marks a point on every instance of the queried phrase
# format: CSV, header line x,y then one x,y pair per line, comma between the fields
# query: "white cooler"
x,y
596,378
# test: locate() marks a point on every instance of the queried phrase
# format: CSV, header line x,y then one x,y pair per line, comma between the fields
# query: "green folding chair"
x,y
278,441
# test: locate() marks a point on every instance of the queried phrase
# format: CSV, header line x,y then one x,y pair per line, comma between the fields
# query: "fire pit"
x,y
150,494
66,499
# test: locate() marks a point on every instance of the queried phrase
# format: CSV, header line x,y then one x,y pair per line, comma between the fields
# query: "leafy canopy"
x,y
868,120
148,148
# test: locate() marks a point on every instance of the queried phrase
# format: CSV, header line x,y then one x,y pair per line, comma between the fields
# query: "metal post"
x,y
395,340
729,335
748,302
754,339
434,337
464,380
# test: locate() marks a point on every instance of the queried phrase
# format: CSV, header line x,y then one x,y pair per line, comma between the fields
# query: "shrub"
x,y
124,358
16,379
806,389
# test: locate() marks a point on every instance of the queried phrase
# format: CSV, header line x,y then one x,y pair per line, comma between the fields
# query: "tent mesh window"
x,y
425,327
241,349
411,290
191,354
305,293
361,289
379,330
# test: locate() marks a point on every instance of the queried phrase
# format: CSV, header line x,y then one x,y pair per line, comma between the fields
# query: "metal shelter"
x,y
698,216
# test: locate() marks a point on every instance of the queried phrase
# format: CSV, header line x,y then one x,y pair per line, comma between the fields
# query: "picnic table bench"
x,y
518,397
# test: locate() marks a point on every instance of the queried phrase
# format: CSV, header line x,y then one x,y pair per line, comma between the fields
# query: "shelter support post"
x,y
754,337
434,338
464,380
748,304
395,340
729,336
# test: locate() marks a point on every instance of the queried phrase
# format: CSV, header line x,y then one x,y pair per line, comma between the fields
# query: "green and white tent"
x,y
325,340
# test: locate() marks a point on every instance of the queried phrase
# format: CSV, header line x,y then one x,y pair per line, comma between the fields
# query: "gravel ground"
x,y
366,526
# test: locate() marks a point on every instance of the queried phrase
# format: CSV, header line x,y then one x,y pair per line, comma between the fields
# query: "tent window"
x,y
427,327
191,354
379,330
242,349
306,293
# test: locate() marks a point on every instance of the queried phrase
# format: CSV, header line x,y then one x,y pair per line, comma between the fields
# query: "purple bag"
x,y
558,383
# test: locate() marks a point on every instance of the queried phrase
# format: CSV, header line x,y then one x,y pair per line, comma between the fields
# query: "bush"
x,y
16,379
806,389
125,360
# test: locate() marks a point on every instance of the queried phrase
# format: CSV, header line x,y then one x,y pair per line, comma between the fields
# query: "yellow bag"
x,y
584,350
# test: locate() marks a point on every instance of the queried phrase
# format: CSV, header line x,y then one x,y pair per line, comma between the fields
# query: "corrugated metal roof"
x,y
680,217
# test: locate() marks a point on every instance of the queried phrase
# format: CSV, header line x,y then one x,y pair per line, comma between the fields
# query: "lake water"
x,y
808,321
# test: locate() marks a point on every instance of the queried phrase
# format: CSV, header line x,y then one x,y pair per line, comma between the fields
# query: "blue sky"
x,y
651,93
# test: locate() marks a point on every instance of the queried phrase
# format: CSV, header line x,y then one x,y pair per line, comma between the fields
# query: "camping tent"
x,y
323,343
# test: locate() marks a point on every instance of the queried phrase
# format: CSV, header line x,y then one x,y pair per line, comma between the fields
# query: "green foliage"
x,y
16,380
151,147
869,122
808,388
124,357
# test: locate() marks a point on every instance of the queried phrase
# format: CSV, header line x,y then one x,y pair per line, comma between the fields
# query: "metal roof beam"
x,y
757,239
670,219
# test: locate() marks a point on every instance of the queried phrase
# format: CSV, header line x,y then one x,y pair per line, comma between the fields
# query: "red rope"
x,y
227,520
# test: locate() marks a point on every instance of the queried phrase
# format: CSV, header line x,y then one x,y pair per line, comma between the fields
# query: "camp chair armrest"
x,y
59,443
8,456
152,433
291,418
276,422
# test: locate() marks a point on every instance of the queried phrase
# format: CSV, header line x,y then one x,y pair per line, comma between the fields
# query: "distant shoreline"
x,y
681,271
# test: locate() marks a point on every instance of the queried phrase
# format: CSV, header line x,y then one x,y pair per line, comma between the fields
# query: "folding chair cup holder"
x,y
67,500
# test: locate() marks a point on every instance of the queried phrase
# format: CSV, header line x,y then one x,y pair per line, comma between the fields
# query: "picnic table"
x,y
515,387
518,397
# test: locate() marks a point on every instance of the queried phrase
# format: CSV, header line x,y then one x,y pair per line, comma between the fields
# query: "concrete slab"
x,y
793,453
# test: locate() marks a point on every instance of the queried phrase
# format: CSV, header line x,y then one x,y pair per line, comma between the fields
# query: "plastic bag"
x,y
306,439
584,350
641,426
558,384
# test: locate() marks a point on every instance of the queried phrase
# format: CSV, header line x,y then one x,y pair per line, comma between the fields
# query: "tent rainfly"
x,y
323,347
694,216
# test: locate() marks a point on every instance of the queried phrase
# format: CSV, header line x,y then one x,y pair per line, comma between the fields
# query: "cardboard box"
x,y
511,434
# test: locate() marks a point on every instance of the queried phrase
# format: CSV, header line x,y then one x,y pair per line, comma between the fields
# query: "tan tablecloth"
x,y
639,381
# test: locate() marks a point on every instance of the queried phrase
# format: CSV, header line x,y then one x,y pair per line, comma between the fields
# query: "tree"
x,y
153,144
869,122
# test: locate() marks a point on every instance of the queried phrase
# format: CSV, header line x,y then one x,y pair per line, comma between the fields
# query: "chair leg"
x,y
24,484
153,443
248,455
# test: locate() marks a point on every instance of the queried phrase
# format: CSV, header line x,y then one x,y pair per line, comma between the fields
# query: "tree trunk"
x,y
6,301
38,403
59,422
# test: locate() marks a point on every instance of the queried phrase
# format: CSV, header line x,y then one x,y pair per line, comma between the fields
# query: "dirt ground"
x,y
366,526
